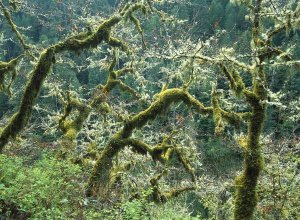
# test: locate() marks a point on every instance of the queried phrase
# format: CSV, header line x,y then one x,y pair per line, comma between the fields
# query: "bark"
x,y
99,179
81,41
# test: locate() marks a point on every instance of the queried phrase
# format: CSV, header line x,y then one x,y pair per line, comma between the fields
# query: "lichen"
x,y
85,40
159,196
7,68
20,119
13,26
246,195
100,175
163,102
71,127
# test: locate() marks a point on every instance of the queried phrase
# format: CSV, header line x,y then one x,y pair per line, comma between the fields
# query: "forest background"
x,y
174,162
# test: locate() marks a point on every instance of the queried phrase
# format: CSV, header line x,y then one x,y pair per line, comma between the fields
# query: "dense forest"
x,y
150,109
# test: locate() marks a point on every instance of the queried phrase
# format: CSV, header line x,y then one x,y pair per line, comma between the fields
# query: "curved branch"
x,y
99,178
164,100
20,119
75,43
6,68
13,26
161,197
71,127
236,82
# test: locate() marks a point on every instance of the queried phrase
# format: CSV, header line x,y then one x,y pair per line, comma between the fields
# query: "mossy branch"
x,y
8,17
92,39
162,152
157,152
185,162
221,117
85,40
100,174
20,119
71,127
5,69
246,195
138,26
164,100
236,82
161,197
293,20
202,59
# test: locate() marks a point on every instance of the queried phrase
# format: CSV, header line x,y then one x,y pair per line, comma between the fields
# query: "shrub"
x,y
48,189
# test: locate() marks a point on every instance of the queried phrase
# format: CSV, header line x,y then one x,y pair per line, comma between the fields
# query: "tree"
x,y
265,55
75,43
267,20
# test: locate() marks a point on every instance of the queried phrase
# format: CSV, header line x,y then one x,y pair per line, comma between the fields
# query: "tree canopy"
x,y
149,109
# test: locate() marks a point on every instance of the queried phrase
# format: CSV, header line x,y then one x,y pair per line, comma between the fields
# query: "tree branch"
x,y
13,26
100,174
84,40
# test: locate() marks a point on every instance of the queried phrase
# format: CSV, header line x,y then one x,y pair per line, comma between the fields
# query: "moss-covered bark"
x,y
71,127
81,41
246,183
99,179
7,68
20,119
246,196
13,26
161,197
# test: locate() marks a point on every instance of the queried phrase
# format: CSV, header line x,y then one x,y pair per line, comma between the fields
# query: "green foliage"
x,y
135,210
217,14
220,156
279,184
47,189
143,209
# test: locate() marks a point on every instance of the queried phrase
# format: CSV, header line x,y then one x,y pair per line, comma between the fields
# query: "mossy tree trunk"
x,y
246,195
78,42
256,95
99,180
246,183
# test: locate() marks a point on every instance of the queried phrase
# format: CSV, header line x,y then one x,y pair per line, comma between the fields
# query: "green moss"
x,y
20,119
218,120
71,128
163,102
67,124
100,175
7,68
235,80
13,26
99,179
137,23
161,197
104,108
71,133
87,40
92,150
246,196
84,40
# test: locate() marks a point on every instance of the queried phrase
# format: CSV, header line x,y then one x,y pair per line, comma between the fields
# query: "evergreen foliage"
x,y
149,109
